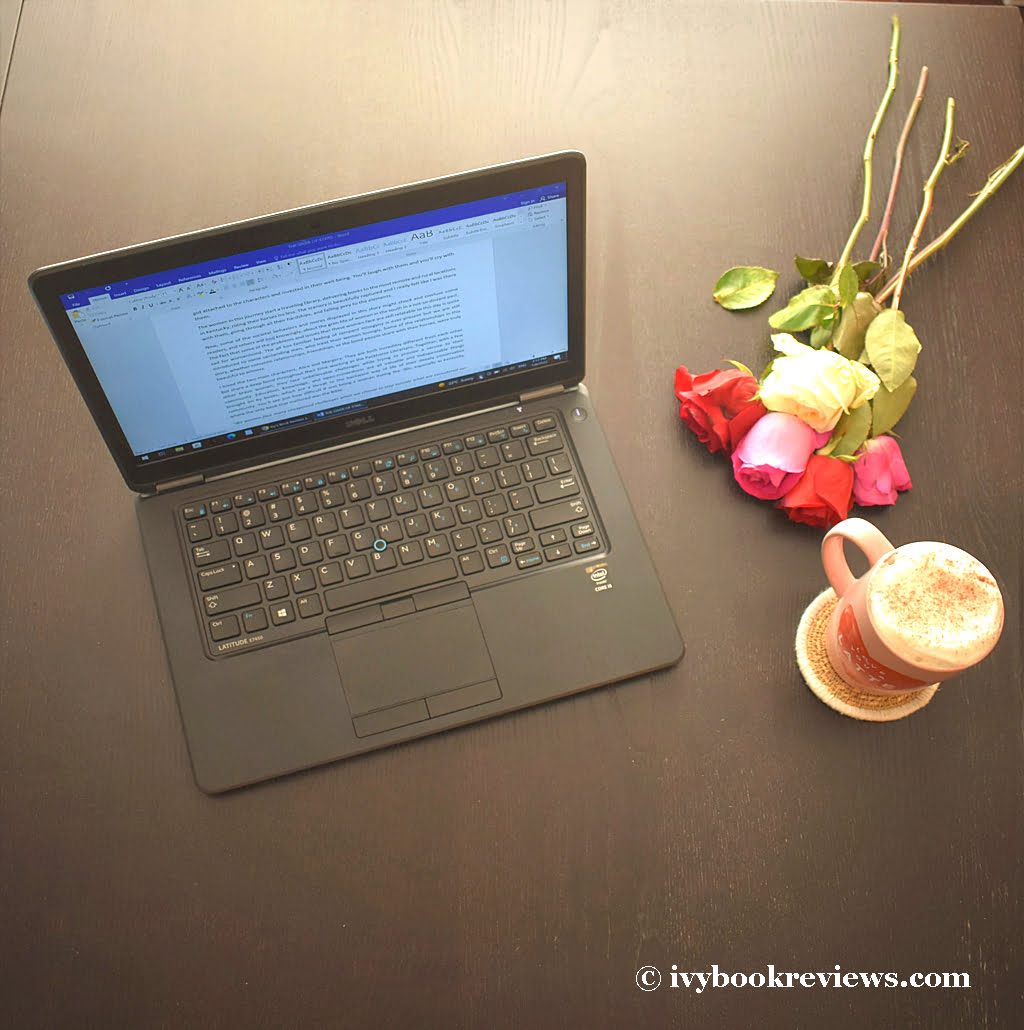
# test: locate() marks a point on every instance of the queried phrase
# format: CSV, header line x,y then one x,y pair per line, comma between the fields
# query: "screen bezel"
x,y
50,283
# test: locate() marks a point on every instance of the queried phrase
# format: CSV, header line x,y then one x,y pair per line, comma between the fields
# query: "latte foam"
x,y
935,605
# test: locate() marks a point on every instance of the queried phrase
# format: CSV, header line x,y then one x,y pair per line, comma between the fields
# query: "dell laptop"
x,y
373,493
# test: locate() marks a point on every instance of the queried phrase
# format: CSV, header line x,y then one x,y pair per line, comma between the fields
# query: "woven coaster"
x,y
826,683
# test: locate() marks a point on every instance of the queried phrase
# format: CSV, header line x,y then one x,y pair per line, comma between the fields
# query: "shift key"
x,y
556,514
228,600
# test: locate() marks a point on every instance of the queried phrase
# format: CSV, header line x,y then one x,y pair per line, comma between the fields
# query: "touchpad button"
x,y
410,658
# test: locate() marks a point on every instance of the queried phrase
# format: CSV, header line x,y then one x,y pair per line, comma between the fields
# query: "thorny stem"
x,y
994,181
926,204
883,230
865,211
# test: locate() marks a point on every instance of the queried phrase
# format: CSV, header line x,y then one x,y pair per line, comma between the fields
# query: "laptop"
x,y
374,496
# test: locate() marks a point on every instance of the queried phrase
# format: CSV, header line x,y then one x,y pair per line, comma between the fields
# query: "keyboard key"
x,y
220,576
198,531
256,568
498,556
519,429
556,514
191,512
329,574
224,629
565,486
225,524
471,563
245,543
254,620
528,561
543,443
591,544
283,560
208,554
309,606
275,588
283,613
232,598
543,424
272,537
303,581
558,552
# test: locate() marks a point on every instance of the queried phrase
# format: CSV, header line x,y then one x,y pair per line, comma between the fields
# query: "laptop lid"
x,y
234,346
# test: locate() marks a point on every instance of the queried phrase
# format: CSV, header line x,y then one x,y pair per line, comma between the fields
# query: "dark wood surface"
x,y
519,872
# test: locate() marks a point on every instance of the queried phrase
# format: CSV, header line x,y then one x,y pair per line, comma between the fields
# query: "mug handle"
x,y
860,532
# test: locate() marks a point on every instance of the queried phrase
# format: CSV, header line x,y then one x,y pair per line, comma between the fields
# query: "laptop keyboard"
x,y
290,557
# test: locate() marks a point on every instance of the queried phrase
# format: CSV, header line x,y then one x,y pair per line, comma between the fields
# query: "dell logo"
x,y
359,420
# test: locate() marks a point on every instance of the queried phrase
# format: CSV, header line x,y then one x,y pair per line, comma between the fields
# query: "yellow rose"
x,y
815,385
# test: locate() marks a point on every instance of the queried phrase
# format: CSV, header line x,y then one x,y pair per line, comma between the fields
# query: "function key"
x,y
245,499
406,458
337,476
220,504
191,512
519,429
475,440
452,446
293,486
497,435
361,468
268,493
314,482
543,424
383,464
427,453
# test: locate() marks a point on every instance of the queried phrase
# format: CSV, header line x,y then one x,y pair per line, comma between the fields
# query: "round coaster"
x,y
826,683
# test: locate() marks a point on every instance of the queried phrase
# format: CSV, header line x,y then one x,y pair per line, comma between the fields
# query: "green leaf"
x,y
888,406
814,270
892,348
848,338
810,307
867,270
850,433
820,335
745,287
848,284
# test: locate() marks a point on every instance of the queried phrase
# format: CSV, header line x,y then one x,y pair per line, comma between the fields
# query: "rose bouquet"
x,y
814,433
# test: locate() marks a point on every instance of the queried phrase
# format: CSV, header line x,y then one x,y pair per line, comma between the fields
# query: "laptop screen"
x,y
329,327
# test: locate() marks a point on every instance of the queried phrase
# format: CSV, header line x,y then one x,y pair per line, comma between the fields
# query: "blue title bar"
x,y
300,248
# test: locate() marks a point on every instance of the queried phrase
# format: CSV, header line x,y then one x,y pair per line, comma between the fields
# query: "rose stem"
x,y
926,203
883,230
994,181
894,47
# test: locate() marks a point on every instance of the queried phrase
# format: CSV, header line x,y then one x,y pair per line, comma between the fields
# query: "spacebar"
x,y
390,583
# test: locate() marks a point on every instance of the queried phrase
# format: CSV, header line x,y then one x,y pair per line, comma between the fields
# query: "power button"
x,y
578,414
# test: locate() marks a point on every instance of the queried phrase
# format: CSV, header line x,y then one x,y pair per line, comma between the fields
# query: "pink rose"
x,y
879,472
773,454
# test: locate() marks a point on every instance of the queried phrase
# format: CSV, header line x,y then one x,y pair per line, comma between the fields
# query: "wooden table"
x,y
519,873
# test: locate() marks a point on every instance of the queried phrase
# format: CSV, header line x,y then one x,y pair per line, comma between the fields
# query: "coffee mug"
x,y
922,613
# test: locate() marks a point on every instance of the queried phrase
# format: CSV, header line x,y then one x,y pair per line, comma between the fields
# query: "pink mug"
x,y
922,613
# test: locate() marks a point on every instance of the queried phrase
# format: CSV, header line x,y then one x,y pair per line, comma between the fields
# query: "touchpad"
x,y
410,658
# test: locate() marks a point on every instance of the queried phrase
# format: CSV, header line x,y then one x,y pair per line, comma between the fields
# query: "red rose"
x,y
823,495
718,406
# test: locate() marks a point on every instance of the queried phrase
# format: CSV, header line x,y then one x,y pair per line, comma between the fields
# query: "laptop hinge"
x,y
177,484
545,391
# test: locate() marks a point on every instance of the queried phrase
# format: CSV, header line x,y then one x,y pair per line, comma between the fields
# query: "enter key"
x,y
555,489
